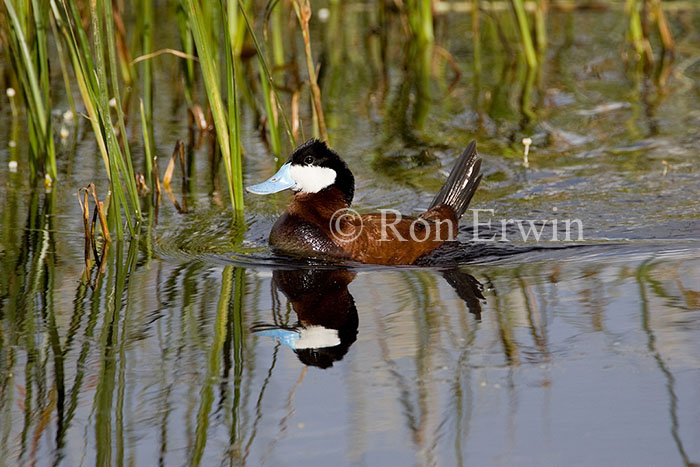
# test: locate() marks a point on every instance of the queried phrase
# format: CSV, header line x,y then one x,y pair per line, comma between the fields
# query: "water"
x,y
514,354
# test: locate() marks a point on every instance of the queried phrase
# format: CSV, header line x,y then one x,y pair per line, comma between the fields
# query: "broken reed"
x,y
89,66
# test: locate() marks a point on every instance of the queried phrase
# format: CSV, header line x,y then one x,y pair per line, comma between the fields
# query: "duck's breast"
x,y
294,235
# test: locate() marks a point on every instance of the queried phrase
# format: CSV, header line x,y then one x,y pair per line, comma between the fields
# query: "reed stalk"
x,y
272,120
91,76
420,20
303,11
146,30
636,30
64,62
278,60
664,29
188,47
232,24
267,75
28,27
147,147
525,35
541,9
276,35
203,39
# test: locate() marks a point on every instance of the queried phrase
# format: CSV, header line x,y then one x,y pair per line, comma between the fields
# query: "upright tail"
x,y
462,183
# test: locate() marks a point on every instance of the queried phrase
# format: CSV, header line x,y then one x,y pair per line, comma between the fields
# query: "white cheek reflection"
x,y
310,179
317,337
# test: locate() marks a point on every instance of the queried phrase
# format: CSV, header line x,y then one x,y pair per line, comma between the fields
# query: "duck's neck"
x,y
323,204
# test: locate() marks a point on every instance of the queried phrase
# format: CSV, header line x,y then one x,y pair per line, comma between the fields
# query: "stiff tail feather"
x,y
462,183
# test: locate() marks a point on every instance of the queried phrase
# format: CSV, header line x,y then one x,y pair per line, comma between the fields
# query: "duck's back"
x,y
388,240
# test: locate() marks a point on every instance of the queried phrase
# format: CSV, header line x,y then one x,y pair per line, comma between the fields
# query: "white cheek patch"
x,y
310,179
317,337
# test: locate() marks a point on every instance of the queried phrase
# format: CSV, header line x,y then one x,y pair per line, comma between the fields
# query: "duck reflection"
x,y
327,319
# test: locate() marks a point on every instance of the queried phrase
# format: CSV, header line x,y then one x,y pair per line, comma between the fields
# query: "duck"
x,y
319,222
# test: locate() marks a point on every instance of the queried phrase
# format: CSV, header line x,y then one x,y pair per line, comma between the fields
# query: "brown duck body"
x,y
311,227
318,223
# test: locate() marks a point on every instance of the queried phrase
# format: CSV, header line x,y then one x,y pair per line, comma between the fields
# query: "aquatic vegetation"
x,y
90,70
154,350
27,24
101,66
226,120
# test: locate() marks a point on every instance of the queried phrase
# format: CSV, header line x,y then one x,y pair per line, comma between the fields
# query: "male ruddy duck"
x,y
324,187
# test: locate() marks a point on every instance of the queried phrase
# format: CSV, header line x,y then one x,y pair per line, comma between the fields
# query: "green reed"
x,y
273,23
146,130
90,70
525,35
270,93
635,29
226,123
145,27
187,43
420,19
28,26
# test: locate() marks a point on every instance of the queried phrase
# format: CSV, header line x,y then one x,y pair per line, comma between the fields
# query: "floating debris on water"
x,y
603,108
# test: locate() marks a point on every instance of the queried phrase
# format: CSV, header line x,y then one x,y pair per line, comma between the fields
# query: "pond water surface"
x,y
510,353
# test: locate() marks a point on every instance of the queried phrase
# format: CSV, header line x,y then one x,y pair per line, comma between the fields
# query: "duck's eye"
x,y
308,160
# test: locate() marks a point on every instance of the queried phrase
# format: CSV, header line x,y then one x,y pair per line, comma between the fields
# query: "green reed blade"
x,y
92,81
234,126
420,19
188,47
278,53
41,25
204,43
146,30
272,123
80,63
129,176
34,82
147,148
63,62
263,63
525,35
105,117
277,40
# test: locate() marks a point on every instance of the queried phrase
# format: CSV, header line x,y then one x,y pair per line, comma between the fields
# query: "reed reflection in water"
x,y
160,362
